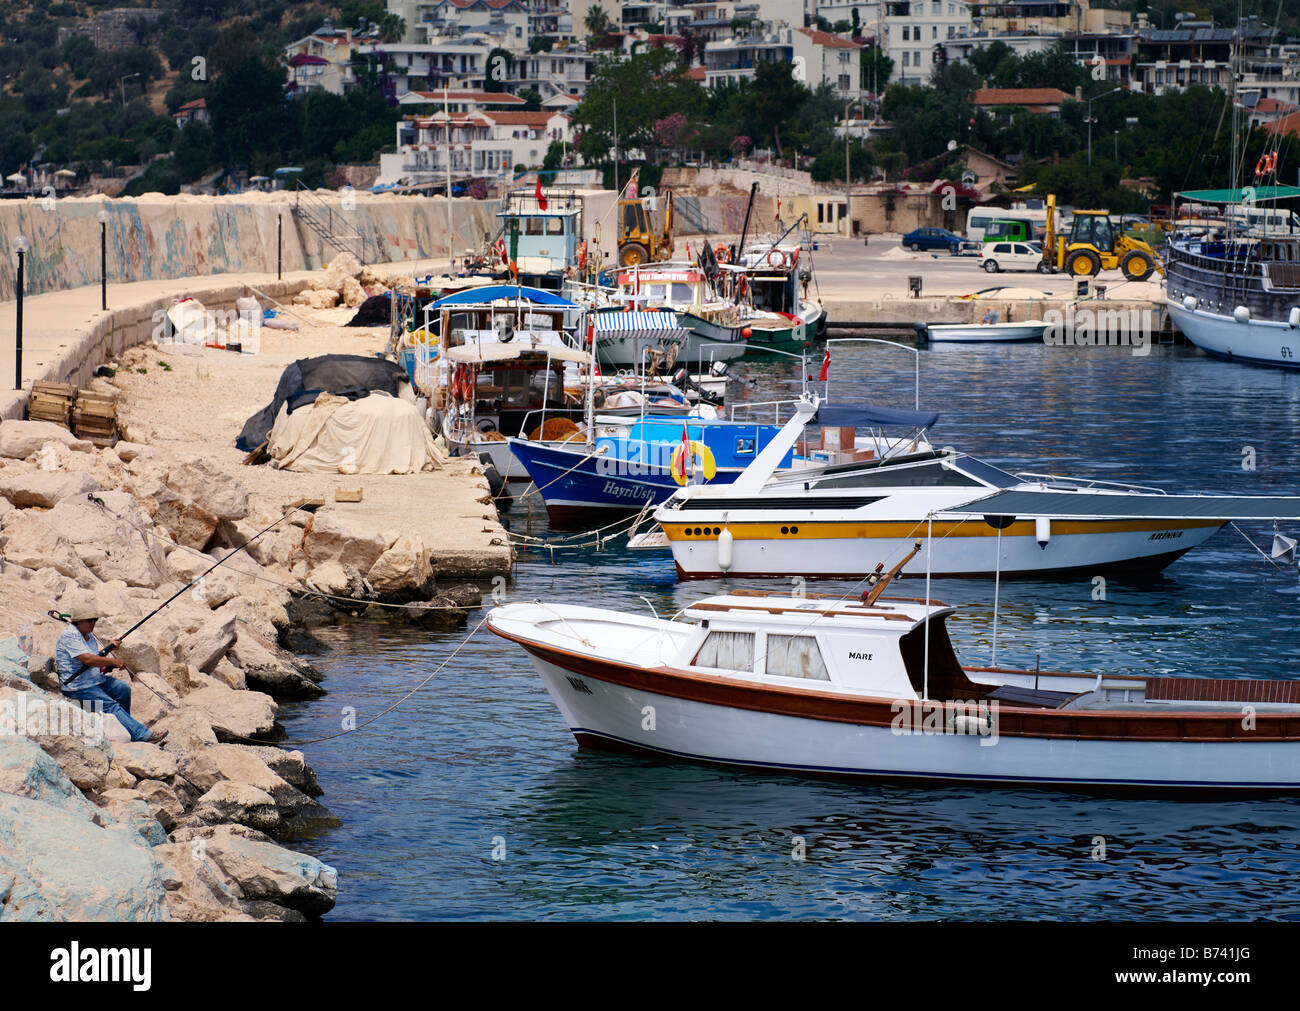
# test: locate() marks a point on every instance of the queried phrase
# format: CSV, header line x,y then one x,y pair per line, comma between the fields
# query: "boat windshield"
x,y
987,473
945,472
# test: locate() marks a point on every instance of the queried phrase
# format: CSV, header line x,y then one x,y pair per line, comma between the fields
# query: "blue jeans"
x,y
116,697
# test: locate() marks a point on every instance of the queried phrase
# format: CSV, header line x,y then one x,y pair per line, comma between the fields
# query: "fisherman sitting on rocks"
x,y
82,677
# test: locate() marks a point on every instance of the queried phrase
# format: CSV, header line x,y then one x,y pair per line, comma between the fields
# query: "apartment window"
x,y
907,62
916,58
907,33
934,31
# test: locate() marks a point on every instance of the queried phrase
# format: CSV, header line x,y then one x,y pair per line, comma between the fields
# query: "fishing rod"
x,y
217,564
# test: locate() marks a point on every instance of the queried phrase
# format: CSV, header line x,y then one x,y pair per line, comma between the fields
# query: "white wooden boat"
x,y
987,333
844,687
840,520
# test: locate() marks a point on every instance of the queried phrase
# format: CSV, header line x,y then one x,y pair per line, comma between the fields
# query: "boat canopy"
x,y
1259,194
867,416
476,353
607,322
1083,505
492,292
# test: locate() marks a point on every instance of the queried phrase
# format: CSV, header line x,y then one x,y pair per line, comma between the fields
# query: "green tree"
x,y
194,151
596,22
646,87
392,28
877,68
78,52
500,63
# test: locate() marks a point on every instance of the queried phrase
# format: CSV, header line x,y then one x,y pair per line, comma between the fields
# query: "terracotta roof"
x,y
535,119
1285,125
1021,96
198,103
482,97
1273,105
495,5
697,74
827,39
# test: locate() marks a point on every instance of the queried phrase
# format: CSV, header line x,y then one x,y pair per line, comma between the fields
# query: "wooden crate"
x,y
52,402
94,417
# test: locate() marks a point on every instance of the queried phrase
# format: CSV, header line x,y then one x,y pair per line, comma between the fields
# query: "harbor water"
x,y
471,800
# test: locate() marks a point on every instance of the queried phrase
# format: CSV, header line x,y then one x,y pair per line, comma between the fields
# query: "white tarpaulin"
x,y
378,434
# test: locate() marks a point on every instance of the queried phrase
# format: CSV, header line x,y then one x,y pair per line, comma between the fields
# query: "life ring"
x,y
780,261
677,465
1267,163
722,253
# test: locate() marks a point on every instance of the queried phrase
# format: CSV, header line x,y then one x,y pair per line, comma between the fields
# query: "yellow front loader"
x,y
1096,244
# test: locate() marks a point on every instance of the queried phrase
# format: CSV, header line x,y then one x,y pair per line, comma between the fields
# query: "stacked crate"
x,y
94,417
52,402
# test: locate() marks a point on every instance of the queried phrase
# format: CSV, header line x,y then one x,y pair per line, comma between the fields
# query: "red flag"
x,y
541,200
826,364
778,207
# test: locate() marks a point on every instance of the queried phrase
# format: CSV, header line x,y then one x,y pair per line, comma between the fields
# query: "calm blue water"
x,y
480,757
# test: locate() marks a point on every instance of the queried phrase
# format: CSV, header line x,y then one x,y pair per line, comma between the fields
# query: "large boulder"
x,y
65,868
205,769
144,760
31,541
45,491
199,481
404,567
164,802
128,808
209,644
198,890
27,771
241,803
187,730
20,439
346,541
188,522
113,548
267,668
83,760
266,871
342,268
234,714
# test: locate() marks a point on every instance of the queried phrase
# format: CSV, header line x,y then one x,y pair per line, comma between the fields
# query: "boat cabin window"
x,y
795,656
930,475
675,292
726,651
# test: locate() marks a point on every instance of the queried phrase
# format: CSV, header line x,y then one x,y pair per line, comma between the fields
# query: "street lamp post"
x,y
1090,101
122,81
103,259
20,247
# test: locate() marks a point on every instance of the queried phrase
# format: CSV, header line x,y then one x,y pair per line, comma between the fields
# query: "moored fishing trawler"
x,y
873,688
1237,295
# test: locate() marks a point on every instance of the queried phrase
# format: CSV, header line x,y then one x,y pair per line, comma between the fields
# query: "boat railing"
x,y
1084,482
776,404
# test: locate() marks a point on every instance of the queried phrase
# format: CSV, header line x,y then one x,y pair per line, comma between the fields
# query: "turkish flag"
x,y
826,365
541,200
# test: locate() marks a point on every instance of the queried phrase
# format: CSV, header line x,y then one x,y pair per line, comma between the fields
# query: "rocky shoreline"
x,y
95,827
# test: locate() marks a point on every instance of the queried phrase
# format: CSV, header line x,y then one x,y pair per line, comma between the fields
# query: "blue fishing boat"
x,y
630,463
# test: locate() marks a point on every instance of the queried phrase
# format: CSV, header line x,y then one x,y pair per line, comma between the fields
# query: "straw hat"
x,y
85,612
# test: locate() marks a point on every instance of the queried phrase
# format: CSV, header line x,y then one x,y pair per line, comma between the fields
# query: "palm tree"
x,y
597,21
391,28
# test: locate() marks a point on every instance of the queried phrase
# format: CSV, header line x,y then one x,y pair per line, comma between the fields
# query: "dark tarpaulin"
x,y
351,376
867,416
374,311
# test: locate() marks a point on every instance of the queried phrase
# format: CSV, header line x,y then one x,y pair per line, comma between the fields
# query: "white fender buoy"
x,y
1241,314
1042,531
1293,317
1189,302
725,549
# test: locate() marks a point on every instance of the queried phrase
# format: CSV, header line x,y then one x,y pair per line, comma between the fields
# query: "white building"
x,y
831,60
429,19
479,142
816,57
914,34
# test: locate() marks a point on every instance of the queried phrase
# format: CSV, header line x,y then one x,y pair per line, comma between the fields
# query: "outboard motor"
x,y
719,369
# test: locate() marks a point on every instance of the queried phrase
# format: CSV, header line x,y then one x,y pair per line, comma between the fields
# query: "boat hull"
x,y
1257,342
847,549
650,710
987,333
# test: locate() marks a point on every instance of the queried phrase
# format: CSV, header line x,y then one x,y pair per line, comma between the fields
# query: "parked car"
x,y
995,256
937,238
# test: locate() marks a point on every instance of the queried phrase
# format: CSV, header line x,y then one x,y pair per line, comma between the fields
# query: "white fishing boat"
x,y
838,520
987,333
873,688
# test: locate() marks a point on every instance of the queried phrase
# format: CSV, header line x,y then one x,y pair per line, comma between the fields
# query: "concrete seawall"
x,y
158,238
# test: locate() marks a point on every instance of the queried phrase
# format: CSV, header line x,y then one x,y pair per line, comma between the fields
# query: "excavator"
x,y
637,240
1096,244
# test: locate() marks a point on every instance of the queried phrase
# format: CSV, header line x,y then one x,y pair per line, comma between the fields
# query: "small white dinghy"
x,y
874,689
987,333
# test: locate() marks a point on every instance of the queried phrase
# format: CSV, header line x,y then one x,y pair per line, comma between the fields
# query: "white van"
x,y
1264,220
978,219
